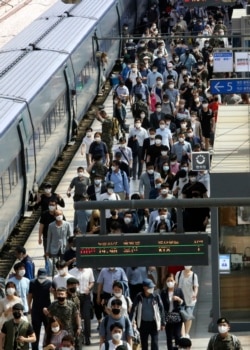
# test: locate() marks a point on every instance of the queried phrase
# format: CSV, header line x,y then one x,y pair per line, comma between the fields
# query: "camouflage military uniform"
x,y
66,313
230,342
107,134
98,168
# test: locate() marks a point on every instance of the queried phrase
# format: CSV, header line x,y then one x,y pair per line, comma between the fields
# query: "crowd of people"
x,y
163,81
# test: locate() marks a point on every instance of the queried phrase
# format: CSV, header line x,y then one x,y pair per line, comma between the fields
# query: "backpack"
x,y
124,343
109,176
115,127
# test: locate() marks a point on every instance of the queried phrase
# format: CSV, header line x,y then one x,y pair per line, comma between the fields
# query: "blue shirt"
x,y
107,278
22,287
120,181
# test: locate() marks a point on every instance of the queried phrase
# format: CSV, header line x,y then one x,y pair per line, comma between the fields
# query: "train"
x,y
49,75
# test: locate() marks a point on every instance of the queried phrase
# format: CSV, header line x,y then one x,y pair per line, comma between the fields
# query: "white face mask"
x,y
113,167
163,217
110,190
41,280
127,220
80,174
162,126
117,336
65,348
164,153
123,145
205,105
117,295
73,248
52,208
55,329
21,273
171,86
97,139
157,141
61,272
192,179
150,171
166,168
89,134
47,190
181,139
59,217
170,284
97,182
10,291
142,115
137,125
223,329
150,290
164,191
187,267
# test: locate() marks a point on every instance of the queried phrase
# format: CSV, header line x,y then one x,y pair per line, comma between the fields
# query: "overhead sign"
x,y
230,86
141,250
223,62
200,161
242,61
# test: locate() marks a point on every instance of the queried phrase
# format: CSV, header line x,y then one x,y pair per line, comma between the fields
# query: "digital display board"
x,y
141,250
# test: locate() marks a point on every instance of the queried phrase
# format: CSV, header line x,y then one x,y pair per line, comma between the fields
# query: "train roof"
x,y
92,9
57,10
9,110
31,34
31,74
8,58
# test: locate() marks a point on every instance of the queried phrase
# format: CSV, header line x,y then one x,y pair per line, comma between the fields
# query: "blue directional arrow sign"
x,y
230,86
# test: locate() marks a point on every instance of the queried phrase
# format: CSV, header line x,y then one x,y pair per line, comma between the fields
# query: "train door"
x,y
70,96
23,137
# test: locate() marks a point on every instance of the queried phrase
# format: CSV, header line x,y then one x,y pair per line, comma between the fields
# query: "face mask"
x,y
172,163
113,167
154,70
59,217
80,174
162,230
17,314
157,141
205,105
162,217
117,336
73,248
97,182
150,290
191,84
197,99
61,299
52,207
187,267
170,284
158,110
222,329
55,329
184,168
150,171
138,125
41,280
127,220
162,126
97,139
21,273
118,295
189,134
116,311
47,190
157,185
152,137
181,139
165,191
164,153
10,291
61,272
171,86
183,125
88,134
160,55
166,168
72,290
65,348
159,83
192,179
110,190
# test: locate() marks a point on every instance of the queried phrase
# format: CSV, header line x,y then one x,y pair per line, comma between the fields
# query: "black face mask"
x,y
61,299
72,289
17,314
116,311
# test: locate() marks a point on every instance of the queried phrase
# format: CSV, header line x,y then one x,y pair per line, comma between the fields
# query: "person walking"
x,y
224,340
148,312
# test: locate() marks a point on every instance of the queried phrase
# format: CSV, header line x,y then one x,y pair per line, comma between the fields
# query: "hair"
x,y
92,221
60,264
117,284
69,338
48,333
61,289
116,325
169,274
18,266
80,168
20,249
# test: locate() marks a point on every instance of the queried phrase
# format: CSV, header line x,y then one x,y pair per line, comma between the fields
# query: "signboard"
x,y
207,3
142,250
242,62
200,161
230,86
223,62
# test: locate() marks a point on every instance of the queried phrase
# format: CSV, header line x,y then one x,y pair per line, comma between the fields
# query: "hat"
x,y
17,306
204,101
72,280
42,273
184,343
148,283
47,184
222,320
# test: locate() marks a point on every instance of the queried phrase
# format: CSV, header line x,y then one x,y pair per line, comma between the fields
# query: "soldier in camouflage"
x,y
107,129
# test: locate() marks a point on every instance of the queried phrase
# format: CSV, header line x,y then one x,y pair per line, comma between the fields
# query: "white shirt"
x,y
140,133
126,302
61,281
85,277
109,197
113,346
87,142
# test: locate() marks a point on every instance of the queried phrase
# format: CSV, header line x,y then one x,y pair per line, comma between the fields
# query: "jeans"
x,y
149,328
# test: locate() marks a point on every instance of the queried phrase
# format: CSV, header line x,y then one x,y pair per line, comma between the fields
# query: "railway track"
x,y
23,229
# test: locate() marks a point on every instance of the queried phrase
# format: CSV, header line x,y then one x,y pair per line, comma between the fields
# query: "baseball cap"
x,y
17,306
222,320
148,283
42,273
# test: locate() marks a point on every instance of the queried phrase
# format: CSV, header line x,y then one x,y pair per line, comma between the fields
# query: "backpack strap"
x,y
105,325
106,345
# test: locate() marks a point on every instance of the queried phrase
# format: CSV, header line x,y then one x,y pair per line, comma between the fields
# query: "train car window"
x,y
1,193
6,184
13,171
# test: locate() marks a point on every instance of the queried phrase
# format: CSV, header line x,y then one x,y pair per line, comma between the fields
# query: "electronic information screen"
x,y
142,250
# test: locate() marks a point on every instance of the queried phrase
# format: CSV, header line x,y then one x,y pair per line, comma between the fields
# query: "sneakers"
x,y
87,341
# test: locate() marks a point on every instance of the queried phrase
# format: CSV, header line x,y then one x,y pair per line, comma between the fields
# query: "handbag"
x,y
173,317
186,314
